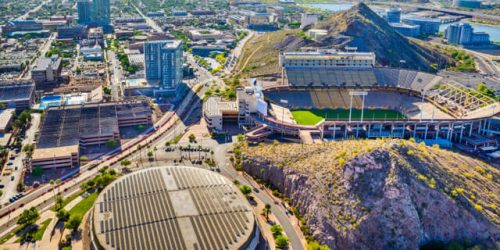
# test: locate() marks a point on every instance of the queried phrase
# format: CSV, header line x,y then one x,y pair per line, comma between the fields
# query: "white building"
x,y
317,34
308,19
216,111
249,100
327,58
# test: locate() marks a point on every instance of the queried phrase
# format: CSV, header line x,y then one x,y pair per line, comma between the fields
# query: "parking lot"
x,y
12,171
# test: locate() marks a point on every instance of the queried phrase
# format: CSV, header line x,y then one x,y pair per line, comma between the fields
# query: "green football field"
x,y
313,116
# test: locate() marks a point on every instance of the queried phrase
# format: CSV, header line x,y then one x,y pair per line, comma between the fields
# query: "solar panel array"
x,y
64,126
143,211
352,77
10,92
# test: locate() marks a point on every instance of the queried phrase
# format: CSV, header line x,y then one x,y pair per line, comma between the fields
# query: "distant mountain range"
x,y
357,27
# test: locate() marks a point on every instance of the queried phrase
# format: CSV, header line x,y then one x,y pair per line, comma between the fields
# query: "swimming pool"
x,y
49,101
51,98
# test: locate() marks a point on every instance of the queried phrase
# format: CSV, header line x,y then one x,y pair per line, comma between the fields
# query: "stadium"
x,y
332,95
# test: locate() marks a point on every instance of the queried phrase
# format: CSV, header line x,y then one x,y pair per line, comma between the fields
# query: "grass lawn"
x,y
313,116
9,236
83,206
41,230
69,199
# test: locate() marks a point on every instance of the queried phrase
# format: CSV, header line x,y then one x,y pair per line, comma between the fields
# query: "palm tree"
x,y
52,183
266,210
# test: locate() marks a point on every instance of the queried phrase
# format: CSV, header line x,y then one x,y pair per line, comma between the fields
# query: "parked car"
x,y
12,178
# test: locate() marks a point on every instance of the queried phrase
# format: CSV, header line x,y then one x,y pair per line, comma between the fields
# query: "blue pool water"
x,y
51,98
50,101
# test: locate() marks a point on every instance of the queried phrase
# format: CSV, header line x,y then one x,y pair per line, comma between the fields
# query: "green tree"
x,y
28,217
125,163
73,223
481,88
276,230
266,210
246,190
192,138
111,143
59,202
63,215
281,242
37,171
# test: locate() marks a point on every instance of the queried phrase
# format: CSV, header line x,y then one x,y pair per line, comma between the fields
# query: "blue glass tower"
x,y
84,8
163,62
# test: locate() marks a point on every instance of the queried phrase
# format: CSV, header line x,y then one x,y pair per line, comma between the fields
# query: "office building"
x,y
84,8
101,12
472,4
17,94
163,62
48,70
480,38
21,26
393,15
307,19
406,29
463,33
95,13
317,34
428,26
75,32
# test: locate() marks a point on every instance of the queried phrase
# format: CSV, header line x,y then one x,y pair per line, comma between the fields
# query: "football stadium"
x,y
338,95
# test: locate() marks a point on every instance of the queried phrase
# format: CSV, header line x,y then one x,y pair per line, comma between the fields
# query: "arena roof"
x,y
172,207
63,126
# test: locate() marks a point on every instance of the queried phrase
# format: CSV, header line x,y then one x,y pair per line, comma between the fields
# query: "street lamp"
x,y
357,93
285,102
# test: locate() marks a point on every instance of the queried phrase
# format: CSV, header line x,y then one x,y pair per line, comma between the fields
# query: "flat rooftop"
x,y
44,153
172,207
215,106
15,91
64,126
5,117
329,54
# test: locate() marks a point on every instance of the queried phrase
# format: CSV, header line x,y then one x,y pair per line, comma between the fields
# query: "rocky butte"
x,y
382,194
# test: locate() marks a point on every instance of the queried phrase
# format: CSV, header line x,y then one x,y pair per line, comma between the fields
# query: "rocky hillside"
x,y
357,27
383,194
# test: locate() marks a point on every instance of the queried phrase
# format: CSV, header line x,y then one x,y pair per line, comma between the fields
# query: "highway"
x,y
37,8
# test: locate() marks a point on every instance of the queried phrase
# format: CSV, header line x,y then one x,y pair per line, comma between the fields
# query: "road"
x,y
149,21
17,164
116,76
486,65
37,8
236,52
43,50
220,153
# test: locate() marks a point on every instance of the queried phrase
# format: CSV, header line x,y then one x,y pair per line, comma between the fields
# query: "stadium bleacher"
x,y
365,77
